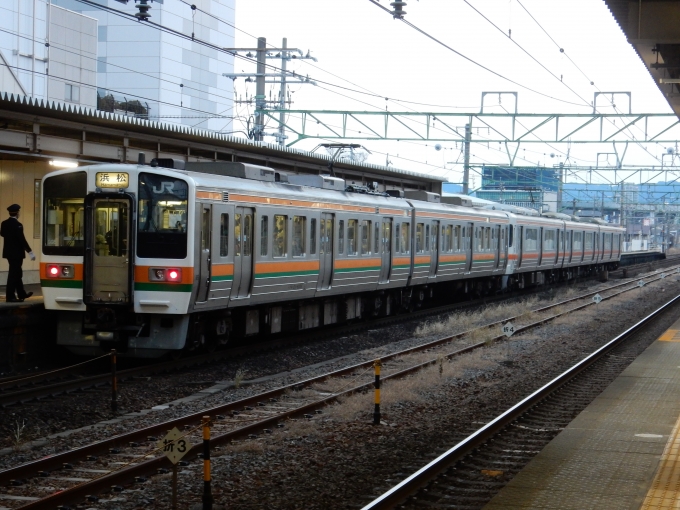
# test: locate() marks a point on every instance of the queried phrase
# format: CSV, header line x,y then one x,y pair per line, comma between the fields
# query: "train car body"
x,y
154,259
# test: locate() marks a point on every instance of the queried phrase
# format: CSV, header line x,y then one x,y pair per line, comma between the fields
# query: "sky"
x,y
360,47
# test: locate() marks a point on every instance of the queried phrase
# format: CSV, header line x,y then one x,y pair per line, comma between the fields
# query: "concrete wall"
x,y
17,186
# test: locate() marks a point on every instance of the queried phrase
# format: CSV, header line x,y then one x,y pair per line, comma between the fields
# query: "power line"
x,y
472,61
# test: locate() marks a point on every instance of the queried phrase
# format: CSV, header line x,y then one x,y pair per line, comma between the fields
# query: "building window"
x,y
72,93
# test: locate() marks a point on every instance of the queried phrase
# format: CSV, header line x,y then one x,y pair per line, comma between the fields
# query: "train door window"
x,y
312,236
299,232
447,234
562,240
549,242
456,238
405,238
247,235
463,239
264,236
589,241
352,237
397,240
341,237
280,238
224,235
531,238
578,241
420,237
511,232
365,237
427,237
376,236
237,235
487,238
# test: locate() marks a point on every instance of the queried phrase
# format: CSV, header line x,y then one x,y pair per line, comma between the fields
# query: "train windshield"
x,y
162,217
64,214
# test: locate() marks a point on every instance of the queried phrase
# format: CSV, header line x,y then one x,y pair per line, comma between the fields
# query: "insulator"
x,y
143,14
399,11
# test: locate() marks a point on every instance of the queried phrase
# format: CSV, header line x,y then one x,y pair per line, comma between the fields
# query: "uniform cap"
x,y
14,208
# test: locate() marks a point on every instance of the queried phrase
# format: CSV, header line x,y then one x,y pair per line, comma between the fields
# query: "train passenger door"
x,y
519,238
325,251
386,250
497,248
243,252
204,254
434,248
108,264
468,241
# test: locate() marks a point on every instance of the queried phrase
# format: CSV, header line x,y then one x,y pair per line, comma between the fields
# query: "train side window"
x,y
264,235
365,237
280,236
427,237
510,236
352,237
299,223
224,235
312,236
420,241
341,237
448,238
406,238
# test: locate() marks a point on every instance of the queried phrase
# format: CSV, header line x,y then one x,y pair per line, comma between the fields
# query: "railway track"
x,y
470,473
72,379
69,477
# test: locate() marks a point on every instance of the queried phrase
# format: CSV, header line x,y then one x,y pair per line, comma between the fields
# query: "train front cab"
x,y
132,280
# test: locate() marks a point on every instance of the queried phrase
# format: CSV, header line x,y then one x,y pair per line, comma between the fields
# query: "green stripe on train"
x,y
287,273
353,269
164,287
222,278
62,284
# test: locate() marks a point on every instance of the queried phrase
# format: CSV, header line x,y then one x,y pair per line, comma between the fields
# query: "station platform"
x,y
35,300
622,452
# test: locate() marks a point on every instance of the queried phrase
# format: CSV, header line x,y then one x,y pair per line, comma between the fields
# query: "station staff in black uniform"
x,y
14,250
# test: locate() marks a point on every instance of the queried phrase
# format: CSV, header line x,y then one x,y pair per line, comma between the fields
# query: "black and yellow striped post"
x,y
207,491
376,410
114,383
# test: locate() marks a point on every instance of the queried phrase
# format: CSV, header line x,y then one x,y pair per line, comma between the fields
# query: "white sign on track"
x,y
174,446
508,329
641,283
597,298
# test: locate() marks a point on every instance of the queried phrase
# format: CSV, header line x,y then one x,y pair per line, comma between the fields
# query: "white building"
x,y
177,79
105,59
48,52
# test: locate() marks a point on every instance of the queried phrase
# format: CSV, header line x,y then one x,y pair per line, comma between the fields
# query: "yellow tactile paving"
x,y
671,335
665,490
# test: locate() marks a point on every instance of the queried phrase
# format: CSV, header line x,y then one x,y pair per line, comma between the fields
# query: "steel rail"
x,y
400,492
128,474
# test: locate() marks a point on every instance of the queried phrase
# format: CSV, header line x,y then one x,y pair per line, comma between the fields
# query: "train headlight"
x,y
161,274
173,275
60,271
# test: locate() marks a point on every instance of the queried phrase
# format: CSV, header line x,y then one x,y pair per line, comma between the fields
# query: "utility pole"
x,y
466,159
282,99
259,88
262,77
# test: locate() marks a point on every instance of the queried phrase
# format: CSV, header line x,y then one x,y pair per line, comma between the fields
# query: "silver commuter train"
x,y
150,259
